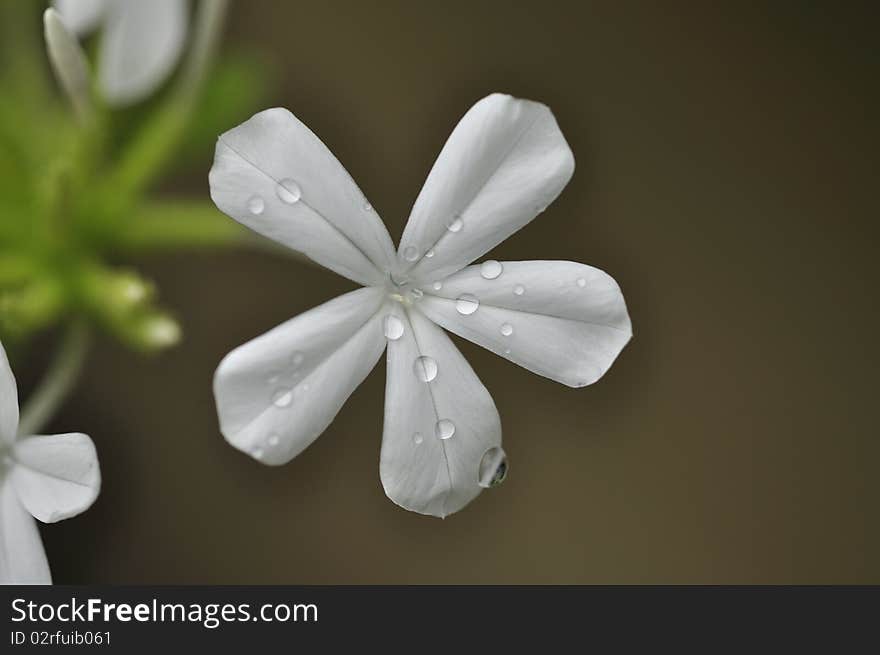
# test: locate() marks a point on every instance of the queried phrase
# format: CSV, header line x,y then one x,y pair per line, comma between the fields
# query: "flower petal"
x,y
141,44
8,401
80,16
56,476
278,392
272,174
68,61
563,320
503,164
22,558
421,471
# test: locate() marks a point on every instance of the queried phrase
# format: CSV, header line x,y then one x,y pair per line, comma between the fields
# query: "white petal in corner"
x,y
8,401
81,16
277,393
55,476
503,164
426,400
22,558
272,174
141,43
563,320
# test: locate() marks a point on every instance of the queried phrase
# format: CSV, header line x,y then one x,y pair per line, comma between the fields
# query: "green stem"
x,y
208,30
167,225
160,136
58,381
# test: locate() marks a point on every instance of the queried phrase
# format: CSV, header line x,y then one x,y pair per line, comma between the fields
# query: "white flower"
x,y
49,478
141,41
503,164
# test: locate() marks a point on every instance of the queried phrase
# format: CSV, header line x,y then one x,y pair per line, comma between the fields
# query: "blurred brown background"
x,y
726,178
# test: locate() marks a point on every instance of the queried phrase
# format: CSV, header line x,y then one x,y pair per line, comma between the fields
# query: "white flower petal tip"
x,y
81,16
278,392
141,45
504,163
22,557
56,476
273,175
440,422
49,478
563,320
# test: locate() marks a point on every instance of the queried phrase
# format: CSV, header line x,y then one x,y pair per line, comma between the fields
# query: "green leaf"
x,y
177,224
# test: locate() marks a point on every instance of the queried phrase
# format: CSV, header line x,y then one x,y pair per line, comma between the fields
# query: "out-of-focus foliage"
x,y
78,198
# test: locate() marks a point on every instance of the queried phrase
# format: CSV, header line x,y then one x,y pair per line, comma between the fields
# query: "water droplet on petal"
x,y
507,351
410,253
257,453
296,359
430,253
425,368
288,191
466,304
581,282
303,387
493,467
506,329
455,224
367,206
491,269
417,438
393,327
282,398
256,205
444,428
273,439
437,286
519,290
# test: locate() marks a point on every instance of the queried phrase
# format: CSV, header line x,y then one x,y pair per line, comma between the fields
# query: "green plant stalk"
x,y
157,141
173,225
164,225
58,381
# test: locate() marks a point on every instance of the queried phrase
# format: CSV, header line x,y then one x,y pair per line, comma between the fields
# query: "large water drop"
x,y
425,368
288,191
467,304
393,327
491,269
444,429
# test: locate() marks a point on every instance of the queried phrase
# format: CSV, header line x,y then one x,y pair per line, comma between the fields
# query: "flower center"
x,y
402,290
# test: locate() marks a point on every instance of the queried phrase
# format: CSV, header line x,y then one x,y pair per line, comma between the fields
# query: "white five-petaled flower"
x,y
141,41
503,164
49,478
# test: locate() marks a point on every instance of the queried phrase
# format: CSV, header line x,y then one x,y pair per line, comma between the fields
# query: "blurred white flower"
x,y
141,41
503,164
49,478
